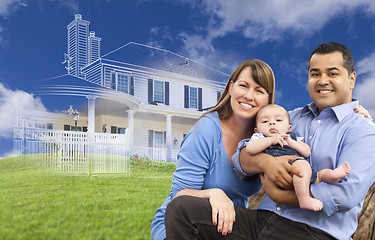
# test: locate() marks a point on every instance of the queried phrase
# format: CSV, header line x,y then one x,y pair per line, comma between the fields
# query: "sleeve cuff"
x,y
322,192
236,160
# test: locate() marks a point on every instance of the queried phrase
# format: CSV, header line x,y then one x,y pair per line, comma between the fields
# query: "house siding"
x,y
174,86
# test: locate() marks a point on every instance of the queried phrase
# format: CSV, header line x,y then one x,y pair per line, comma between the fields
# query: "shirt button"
x,y
310,137
278,208
319,121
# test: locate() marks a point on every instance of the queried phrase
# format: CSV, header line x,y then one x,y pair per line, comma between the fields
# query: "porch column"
x,y
91,122
130,129
169,138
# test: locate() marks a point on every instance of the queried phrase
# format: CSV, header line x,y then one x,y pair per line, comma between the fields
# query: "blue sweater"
x,y
202,164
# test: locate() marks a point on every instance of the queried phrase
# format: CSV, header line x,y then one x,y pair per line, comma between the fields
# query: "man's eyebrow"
x,y
333,69
328,69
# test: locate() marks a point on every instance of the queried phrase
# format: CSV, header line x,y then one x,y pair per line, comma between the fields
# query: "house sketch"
x,y
147,98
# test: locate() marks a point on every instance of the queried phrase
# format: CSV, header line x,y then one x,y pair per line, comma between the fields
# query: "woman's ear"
x,y
256,130
230,87
290,128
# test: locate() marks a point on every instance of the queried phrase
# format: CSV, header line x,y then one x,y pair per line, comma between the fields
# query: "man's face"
x,y
329,83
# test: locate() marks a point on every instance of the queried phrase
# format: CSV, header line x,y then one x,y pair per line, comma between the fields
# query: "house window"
x,y
121,130
49,125
123,83
40,125
113,129
73,128
158,139
158,91
66,127
193,98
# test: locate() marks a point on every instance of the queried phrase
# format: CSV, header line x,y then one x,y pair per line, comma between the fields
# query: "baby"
x,y
273,136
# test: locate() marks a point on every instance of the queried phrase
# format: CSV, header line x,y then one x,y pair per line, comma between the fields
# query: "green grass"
x,y
38,205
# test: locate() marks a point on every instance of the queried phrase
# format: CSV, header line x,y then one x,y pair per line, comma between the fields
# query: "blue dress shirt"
x,y
202,164
335,135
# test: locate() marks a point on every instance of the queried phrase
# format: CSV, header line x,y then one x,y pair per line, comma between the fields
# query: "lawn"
x,y
35,204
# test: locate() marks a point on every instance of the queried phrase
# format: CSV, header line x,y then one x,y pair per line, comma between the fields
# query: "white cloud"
x,y
261,21
365,87
11,102
8,6
72,4
265,20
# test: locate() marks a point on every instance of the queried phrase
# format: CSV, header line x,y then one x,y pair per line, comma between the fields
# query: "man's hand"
x,y
277,194
280,172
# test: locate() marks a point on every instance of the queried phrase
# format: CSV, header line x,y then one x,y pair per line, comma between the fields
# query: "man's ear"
x,y
353,78
290,128
256,130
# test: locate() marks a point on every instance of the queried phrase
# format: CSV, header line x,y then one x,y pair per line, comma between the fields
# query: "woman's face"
x,y
247,97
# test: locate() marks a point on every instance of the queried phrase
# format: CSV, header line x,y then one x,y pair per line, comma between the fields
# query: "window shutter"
x,y
199,98
114,129
165,138
131,85
186,95
150,91
166,95
113,81
150,138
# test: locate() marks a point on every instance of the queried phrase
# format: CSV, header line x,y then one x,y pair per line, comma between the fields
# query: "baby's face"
x,y
272,120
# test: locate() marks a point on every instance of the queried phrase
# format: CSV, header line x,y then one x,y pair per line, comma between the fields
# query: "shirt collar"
x,y
340,111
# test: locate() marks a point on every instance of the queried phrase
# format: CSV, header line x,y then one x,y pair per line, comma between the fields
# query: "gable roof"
x,y
164,60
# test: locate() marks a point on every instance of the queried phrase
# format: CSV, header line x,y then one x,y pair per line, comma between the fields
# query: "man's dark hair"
x,y
331,47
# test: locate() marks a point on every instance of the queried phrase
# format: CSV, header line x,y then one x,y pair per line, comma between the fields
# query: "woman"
x,y
205,166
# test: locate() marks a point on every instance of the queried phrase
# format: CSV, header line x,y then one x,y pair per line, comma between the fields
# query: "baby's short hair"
x,y
275,106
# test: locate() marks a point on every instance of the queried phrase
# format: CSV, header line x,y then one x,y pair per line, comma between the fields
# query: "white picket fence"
x,y
70,152
154,153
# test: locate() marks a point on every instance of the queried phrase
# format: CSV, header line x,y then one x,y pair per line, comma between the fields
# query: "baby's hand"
x,y
279,138
287,139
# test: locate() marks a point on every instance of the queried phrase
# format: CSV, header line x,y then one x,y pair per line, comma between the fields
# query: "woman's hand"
x,y
223,213
361,110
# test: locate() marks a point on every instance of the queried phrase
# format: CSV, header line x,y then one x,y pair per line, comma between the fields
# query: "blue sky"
x,y
218,33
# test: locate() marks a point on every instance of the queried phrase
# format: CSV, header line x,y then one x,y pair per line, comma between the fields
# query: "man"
x,y
335,134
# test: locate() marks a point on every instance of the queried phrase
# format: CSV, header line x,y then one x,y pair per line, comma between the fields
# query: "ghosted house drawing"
x,y
149,97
